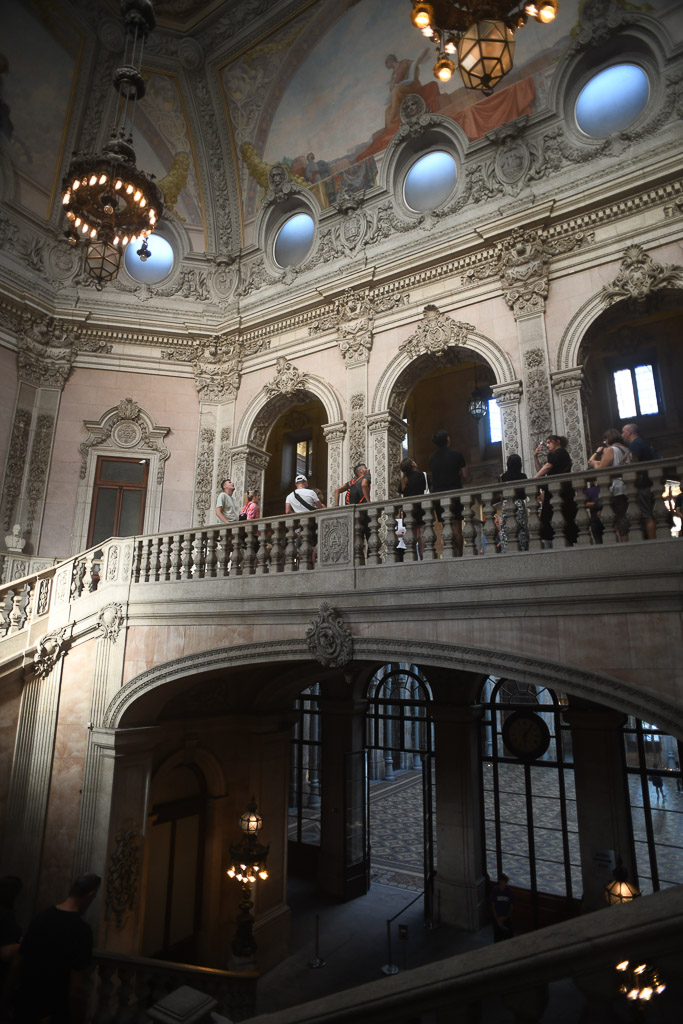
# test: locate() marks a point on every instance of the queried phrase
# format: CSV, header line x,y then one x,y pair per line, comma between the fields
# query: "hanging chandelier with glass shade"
x,y
478,405
480,33
108,202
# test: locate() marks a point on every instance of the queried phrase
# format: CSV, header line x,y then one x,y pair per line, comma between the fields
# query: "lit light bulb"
x,y
422,15
450,46
124,240
547,11
70,215
93,179
138,196
118,183
444,68
133,238
116,240
93,233
103,179
531,10
75,185
85,228
428,32
77,222
129,189
143,203
65,198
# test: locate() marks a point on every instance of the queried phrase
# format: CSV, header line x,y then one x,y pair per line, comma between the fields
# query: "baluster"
x,y
373,536
238,552
262,556
154,552
508,522
607,516
104,1011
447,531
391,512
291,564
87,579
197,550
126,1012
583,520
186,557
662,513
468,527
358,536
382,533
210,553
410,554
489,545
306,549
145,559
175,557
249,549
428,532
137,561
552,516
633,514
534,523
165,558
223,553
277,552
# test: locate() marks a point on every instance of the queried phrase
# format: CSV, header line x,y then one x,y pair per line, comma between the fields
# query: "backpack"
x,y
354,491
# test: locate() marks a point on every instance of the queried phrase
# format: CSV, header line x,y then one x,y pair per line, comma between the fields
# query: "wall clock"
x,y
526,735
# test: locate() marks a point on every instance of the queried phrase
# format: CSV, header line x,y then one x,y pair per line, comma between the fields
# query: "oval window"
x,y
612,100
430,181
156,265
294,240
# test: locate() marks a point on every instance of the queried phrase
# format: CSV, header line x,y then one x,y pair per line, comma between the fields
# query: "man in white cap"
x,y
302,498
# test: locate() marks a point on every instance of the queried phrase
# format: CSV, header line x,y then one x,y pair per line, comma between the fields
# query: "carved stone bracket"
x,y
45,353
524,272
218,371
122,876
287,380
328,639
109,621
435,334
415,118
49,649
640,278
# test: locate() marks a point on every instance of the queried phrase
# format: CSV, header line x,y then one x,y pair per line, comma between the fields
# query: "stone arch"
x,y
145,690
569,350
263,410
204,760
406,368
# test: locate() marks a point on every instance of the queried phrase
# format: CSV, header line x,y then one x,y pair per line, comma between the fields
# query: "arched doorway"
x,y
296,444
634,367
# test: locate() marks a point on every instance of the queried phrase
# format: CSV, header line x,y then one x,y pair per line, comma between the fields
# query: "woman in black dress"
x,y
558,460
413,483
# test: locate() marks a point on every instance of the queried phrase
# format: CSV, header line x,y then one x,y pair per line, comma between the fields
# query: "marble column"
x,y
461,895
343,732
248,467
602,799
213,458
387,431
334,436
570,412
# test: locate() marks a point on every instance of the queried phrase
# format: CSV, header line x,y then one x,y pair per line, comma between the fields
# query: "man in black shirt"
x,y
54,958
448,471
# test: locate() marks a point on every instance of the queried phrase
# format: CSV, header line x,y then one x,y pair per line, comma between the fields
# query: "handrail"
x,y
475,521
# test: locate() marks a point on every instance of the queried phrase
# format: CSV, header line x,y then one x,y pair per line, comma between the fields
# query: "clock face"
x,y
526,735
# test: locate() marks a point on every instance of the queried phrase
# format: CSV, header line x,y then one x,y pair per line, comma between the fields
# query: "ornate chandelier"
x,y
480,32
108,201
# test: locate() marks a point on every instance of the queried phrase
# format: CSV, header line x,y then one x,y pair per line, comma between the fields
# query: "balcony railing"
x,y
495,520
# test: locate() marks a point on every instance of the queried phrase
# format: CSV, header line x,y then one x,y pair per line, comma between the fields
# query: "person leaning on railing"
x,y
612,452
557,460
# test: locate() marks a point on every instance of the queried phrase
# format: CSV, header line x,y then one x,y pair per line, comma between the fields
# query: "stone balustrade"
x,y
124,987
348,537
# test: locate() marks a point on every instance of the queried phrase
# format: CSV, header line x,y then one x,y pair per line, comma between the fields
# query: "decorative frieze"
x,y
39,465
16,464
537,391
328,639
357,429
45,353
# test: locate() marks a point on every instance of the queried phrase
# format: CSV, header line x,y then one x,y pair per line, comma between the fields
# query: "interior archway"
x,y
296,444
619,342
435,393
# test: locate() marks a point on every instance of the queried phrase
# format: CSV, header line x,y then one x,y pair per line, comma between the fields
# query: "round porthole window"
x,y
430,181
294,240
612,100
157,263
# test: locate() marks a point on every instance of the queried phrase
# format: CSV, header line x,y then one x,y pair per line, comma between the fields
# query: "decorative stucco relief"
x,y
640,278
287,380
353,317
203,478
435,334
328,639
536,387
126,426
16,463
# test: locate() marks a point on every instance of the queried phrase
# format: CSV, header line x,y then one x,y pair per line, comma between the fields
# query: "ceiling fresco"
x,y
34,105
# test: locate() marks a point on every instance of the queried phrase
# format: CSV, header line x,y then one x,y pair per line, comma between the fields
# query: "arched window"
x,y
294,240
157,263
430,181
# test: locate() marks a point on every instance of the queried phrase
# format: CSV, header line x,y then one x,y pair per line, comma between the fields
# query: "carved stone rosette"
x,y
568,388
387,432
435,334
328,639
640,278
508,397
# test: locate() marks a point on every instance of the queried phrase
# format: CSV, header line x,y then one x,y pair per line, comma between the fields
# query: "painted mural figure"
x,y
404,80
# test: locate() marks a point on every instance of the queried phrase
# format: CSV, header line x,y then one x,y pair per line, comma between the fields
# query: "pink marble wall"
x,y
8,395
10,702
64,805
170,401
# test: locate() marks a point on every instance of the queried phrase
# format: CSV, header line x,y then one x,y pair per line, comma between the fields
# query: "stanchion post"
x,y
316,961
389,968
